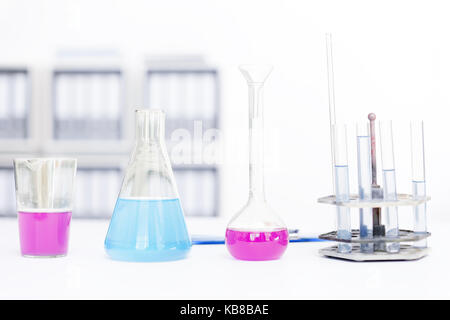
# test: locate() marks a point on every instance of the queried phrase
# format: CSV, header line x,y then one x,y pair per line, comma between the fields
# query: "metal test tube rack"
x,y
379,244
379,238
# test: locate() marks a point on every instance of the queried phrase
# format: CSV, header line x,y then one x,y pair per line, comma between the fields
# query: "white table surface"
x,y
211,273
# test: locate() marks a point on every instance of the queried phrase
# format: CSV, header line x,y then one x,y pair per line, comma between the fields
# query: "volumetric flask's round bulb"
x,y
256,232
148,221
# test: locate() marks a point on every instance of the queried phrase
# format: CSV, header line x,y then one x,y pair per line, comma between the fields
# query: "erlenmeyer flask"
x,y
148,222
256,232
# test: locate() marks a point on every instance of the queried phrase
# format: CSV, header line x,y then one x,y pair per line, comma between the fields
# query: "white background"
x,y
391,58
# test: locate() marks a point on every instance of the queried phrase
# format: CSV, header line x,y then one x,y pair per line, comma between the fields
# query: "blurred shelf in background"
x,y
187,89
14,103
87,104
80,107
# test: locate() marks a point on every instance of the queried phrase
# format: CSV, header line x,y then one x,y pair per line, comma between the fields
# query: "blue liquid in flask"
x,y
147,230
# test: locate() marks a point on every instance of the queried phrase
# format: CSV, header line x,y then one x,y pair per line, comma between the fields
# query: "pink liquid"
x,y
256,246
44,234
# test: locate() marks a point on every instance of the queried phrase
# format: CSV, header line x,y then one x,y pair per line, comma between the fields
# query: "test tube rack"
x,y
376,240
406,252
379,239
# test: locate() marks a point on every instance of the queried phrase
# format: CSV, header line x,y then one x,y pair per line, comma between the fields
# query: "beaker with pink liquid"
x,y
44,197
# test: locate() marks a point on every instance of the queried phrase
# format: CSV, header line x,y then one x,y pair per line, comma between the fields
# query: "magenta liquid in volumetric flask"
x,y
44,233
256,245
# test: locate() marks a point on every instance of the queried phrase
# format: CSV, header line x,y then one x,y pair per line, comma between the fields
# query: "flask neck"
x,y
149,126
256,141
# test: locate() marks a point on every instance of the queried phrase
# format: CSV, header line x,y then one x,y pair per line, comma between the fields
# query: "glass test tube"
x,y
364,184
342,189
418,180
389,184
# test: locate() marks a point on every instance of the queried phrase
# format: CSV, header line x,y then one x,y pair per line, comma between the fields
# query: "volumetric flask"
x,y
44,195
256,232
148,221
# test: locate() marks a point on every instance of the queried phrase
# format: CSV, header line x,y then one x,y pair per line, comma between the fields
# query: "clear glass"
x,y
331,104
389,184
44,199
364,183
418,180
256,232
148,221
342,186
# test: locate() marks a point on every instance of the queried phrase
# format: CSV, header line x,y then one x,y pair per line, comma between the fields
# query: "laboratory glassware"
x,y
331,103
389,184
418,180
148,221
256,232
379,236
363,143
44,199
342,187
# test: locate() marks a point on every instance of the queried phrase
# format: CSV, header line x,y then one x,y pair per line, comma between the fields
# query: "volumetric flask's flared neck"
x,y
255,74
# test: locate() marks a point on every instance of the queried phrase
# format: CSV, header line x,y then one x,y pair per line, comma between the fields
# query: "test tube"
x,y
342,189
418,180
364,184
389,184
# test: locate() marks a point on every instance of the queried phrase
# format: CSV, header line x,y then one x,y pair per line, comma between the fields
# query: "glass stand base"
x,y
407,252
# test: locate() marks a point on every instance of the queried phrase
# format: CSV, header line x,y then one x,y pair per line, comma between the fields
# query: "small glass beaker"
x,y
44,195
